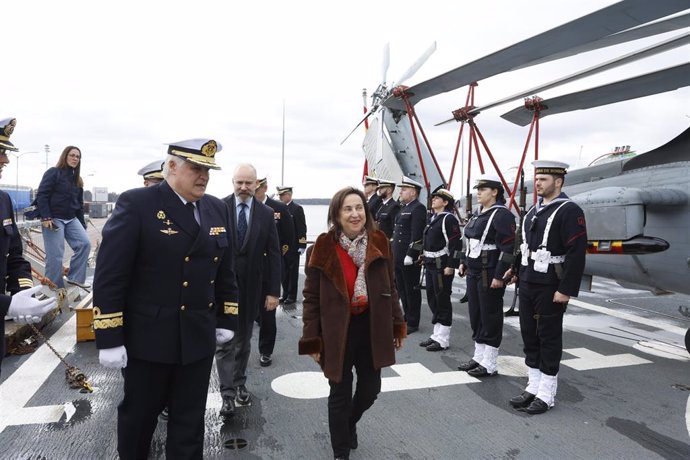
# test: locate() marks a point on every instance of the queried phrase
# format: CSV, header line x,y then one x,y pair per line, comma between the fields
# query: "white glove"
x,y
408,260
301,250
224,336
25,309
115,358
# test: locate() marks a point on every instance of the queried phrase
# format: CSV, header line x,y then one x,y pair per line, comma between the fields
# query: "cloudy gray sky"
x,y
120,79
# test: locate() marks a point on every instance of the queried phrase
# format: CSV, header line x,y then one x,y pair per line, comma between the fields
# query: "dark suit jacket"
x,y
262,251
284,224
163,284
374,203
15,271
300,224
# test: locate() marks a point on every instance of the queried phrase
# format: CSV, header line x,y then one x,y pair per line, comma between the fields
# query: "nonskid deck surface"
x,y
624,392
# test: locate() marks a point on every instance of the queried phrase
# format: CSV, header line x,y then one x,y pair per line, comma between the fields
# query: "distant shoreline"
x,y
320,201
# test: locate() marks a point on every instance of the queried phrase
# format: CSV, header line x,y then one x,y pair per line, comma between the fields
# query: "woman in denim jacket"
x,y
60,201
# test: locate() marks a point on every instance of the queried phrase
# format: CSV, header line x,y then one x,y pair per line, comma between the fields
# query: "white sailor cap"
x,y
550,167
370,180
198,151
444,194
6,129
407,182
488,180
261,182
283,189
386,183
153,170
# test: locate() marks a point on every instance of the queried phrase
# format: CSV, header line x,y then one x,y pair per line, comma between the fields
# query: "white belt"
x,y
552,259
435,254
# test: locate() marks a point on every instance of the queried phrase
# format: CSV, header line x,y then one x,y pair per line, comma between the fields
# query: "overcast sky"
x,y
120,79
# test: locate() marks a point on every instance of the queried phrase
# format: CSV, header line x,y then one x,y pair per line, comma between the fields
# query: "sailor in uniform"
x,y
489,240
388,211
152,173
552,261
15,271
441,255
286,236
374,201
291,278
165,293
407,245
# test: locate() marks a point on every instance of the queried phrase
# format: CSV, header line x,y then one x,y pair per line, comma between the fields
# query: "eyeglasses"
x,y
73,155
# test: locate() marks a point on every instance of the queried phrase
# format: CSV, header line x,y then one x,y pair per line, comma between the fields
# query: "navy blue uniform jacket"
x,y
300,222
284,224
163,284
15,272
568,237
407,235
501,234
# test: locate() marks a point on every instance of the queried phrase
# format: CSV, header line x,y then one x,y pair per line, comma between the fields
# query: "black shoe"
x,y
342,458
411,329
537,407
435,346
480,371
468,366
426,342
242,397
523,400
265,360
84,286
353,439
164,414
228,408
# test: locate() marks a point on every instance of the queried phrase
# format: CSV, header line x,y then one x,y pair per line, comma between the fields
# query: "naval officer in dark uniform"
x,y
552,261
490,239
165,294
389,209
286,236
15,271
374,201
257,258
291,279
407,245
441,256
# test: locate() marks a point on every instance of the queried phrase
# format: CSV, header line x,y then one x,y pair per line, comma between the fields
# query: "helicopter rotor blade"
x,y
668,79
651,50
618,17
386,62
367,115
409,73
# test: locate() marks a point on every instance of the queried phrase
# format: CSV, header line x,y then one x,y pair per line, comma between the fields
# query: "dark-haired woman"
x,y
441,255
352,316
489,238
60,201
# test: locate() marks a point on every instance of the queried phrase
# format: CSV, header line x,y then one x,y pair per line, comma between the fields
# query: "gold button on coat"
x,y
215,259
183,307
186,259
185,284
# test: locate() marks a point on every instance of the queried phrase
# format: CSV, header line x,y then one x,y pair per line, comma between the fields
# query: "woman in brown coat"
x,y
352,315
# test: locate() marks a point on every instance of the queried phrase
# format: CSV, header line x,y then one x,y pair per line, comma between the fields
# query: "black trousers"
x,y
486,311
290,275
438,295
541,326
267,330
149,387
406,279
345,410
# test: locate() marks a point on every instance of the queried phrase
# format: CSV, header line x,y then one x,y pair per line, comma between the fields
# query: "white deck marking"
x,y
588,360
687,416
413,376
630,317
22,385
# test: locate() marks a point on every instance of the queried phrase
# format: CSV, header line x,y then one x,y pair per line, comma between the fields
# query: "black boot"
x,y
523,400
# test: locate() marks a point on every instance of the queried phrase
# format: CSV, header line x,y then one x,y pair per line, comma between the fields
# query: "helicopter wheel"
x,y
687,340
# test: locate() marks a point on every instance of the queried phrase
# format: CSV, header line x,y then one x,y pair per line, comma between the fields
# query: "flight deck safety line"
x,y
687,416
22,385
629,317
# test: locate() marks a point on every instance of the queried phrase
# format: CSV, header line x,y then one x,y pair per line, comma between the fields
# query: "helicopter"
x,y
637,208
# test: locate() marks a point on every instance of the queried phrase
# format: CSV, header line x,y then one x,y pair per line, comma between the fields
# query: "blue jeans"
x,y
54,240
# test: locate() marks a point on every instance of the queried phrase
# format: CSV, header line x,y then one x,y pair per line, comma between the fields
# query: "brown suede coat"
x,y
327,304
